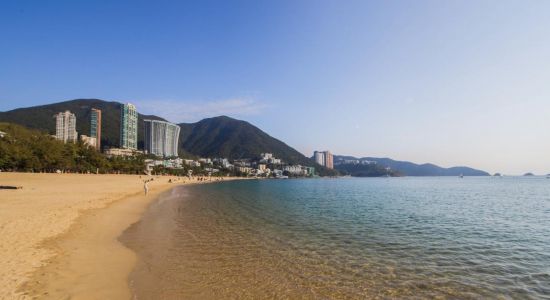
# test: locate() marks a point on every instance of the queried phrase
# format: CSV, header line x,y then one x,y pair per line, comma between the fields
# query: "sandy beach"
x,y
58,235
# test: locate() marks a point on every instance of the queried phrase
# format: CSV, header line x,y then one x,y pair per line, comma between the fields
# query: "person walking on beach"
x,y
146,187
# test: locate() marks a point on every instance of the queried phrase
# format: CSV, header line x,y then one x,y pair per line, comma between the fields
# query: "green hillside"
x,y
213,137
227,137
41,117
24,149
402,167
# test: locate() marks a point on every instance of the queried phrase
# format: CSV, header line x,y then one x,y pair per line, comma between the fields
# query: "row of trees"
x,y
22,149
27,150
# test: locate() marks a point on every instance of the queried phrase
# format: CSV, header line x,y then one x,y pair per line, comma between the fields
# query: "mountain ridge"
x,y
220,136
412,169
41,117
206,137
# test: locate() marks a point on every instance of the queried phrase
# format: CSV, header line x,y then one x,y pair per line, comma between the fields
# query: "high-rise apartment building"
x,y
95,127
161,138
319,157
324,158
128,126
329,160
65,127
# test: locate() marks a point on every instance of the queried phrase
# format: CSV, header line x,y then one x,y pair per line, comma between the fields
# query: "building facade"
x,y
111,152
324,158
128,126
319,157
310,171
88,140
294,169
329,160
245,170
65,127
161,138
95,127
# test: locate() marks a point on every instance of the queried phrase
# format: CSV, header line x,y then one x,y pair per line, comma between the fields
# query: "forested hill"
x,y
213,137
41,117
227,137
411,169
235,139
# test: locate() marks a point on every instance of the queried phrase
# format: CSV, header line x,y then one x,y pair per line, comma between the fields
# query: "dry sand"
x,y
57,240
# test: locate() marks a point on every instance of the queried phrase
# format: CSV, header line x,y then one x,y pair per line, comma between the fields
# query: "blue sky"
x,y
447,82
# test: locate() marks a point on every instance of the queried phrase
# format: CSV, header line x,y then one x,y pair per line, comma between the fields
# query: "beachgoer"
x,y
146,187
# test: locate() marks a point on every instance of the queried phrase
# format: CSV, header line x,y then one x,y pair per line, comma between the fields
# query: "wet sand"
x,y
57,239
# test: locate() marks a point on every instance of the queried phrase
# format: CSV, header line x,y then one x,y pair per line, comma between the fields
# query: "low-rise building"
x,y
278,173
192,163
175,163
309,171
207,161
88,140
122,152
268,158
245,170
242,162
275,161
294,169
224,162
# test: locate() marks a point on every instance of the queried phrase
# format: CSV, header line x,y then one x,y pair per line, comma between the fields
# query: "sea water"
x,y
435,237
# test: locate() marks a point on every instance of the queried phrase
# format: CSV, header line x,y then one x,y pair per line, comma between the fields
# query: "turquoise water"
x,y
476,237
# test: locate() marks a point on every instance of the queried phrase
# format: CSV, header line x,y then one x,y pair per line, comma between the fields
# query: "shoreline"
x,y
59,234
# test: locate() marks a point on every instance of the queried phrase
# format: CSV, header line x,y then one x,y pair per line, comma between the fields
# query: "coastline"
x,y
59,234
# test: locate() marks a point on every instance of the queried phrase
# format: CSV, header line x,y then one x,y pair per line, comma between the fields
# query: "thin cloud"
x,y
191,111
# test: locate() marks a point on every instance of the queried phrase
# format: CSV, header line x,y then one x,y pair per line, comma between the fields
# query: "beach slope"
x,y
58,241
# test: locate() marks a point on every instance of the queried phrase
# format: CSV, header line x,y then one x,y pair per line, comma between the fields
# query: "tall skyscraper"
x,y
161,138
128,126
329,160
65,127
324,158
95,127
319,157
